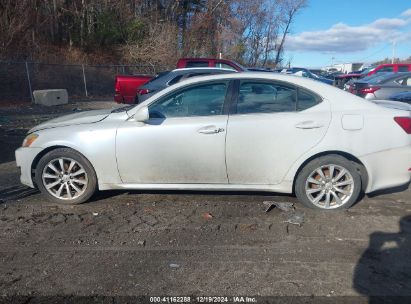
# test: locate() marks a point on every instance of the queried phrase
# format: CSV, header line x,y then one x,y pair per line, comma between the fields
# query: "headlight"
x,y
29,140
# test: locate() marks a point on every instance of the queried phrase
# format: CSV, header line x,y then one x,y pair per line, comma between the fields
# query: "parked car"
x,y
383,87
241,131
125,87
341,80
349,86
209,62
306,73
402,96
168,78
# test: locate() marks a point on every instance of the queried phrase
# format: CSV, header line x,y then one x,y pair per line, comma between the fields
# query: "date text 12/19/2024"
x,y
203,299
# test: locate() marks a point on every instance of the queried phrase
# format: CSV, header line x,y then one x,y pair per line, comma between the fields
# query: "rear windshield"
x,y
375,78
382,78
159,75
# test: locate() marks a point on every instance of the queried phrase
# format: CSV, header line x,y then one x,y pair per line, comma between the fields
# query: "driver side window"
x,y
201,100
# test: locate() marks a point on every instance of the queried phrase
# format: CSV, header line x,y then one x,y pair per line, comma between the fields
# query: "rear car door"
x,y
271,124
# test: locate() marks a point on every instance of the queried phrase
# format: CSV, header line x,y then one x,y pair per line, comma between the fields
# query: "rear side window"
x,y
263,97
403,68
385,69
267,97
306,100
197,64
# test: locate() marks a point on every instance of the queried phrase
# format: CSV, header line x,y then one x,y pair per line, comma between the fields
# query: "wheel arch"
x,y
52,148
362,170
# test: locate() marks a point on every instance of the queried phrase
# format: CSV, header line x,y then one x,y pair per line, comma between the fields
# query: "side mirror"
x,y
141,115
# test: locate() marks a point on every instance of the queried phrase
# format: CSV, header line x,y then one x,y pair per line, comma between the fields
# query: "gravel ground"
x,y
194,243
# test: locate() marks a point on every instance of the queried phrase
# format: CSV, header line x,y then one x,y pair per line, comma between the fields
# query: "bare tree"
x,y
290,9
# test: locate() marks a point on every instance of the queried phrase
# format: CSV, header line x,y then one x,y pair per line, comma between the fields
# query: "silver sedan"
x,y
248,131
381,87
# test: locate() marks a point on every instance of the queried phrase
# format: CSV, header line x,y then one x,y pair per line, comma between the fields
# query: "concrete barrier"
x,y
50,97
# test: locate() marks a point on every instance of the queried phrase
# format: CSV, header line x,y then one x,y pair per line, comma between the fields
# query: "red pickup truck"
x,y
126,85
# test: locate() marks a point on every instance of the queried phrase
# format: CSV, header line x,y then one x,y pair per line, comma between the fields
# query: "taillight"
x,y
405,123
369,90
117,86
142,91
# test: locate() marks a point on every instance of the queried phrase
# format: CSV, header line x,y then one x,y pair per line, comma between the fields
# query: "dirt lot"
x,y
187,243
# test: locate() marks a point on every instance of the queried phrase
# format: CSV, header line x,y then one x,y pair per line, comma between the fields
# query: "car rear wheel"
x,y
65,176
329,182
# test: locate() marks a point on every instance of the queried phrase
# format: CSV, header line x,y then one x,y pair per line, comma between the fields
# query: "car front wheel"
x,y
65,176
329,182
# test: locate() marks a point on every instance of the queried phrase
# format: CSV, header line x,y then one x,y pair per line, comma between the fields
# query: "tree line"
x,y
154,32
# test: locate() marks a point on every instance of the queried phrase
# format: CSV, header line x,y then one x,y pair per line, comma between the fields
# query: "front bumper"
x,y
24,160
387,169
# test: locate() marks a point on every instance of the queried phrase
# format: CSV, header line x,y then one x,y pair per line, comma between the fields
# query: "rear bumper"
x,y
387,169
118,98
24,159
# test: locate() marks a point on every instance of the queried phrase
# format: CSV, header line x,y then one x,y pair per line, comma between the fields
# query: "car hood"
x,y
86,117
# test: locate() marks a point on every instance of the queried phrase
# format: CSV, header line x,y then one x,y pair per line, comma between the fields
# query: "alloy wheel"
x,y
65,178
329,186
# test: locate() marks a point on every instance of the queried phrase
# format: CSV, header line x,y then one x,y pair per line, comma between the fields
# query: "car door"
x,y
271,124
182,142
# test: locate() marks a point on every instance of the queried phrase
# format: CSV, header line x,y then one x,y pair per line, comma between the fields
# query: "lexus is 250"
x,y
245,131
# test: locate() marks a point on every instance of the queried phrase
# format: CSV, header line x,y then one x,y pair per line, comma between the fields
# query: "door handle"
x,y
210,130
309,124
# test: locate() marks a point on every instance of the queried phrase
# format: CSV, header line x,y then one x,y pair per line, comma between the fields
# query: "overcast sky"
x,y
349,31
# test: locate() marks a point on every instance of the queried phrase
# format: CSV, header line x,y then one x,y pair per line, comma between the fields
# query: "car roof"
x,y
200,69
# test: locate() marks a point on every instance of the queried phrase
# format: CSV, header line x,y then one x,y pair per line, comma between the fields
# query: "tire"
x,y
73,185
340,191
